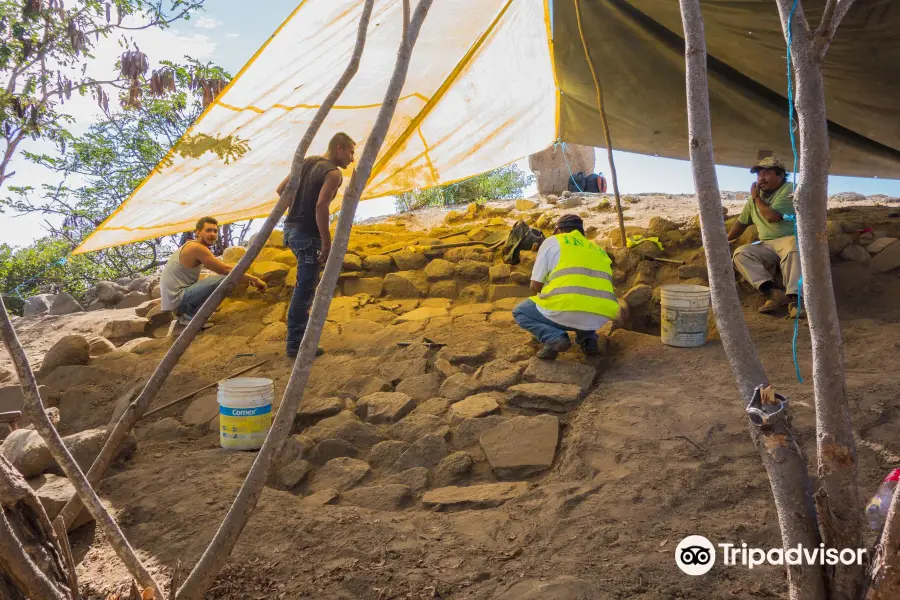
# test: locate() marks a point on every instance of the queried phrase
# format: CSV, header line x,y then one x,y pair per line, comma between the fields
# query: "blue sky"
x,y
228,33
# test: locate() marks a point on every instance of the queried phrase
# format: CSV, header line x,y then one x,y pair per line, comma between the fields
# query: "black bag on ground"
x,y
521,237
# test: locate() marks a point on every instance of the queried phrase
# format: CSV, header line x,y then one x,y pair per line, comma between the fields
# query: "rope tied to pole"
x,y
793,218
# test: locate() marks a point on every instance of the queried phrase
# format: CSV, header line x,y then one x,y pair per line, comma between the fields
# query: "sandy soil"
x,y
658,450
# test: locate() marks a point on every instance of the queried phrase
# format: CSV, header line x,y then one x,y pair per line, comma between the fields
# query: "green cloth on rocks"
x,y
781,200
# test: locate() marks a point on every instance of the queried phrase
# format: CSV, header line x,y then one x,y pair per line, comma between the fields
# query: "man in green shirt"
x,y
771,197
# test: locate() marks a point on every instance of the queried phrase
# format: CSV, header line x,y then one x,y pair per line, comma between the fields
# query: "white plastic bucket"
x,y
685,315
245,412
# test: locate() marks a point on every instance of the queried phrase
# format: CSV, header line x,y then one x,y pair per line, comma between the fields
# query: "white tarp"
x,y
480,93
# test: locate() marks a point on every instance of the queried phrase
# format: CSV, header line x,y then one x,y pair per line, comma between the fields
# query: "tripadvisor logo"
x,y
696,555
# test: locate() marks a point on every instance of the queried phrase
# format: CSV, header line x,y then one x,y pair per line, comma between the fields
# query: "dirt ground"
x,y
658,450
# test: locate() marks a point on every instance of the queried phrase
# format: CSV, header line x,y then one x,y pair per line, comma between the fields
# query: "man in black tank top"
x,y
306,230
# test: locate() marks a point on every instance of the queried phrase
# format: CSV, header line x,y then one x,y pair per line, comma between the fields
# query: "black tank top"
x,y
302,214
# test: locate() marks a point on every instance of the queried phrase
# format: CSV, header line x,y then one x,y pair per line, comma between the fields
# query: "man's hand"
x,y
323,254
258,283
754,190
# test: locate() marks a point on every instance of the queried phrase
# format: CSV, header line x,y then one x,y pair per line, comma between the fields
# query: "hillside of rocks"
x,y
433,456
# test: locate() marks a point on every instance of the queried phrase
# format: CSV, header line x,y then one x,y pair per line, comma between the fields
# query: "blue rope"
x,y
793,218
565,158
15,290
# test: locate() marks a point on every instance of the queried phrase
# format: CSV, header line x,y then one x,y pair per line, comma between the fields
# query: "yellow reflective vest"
x,y
581,281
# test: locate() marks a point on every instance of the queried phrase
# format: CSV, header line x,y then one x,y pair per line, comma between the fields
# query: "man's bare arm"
x,y
536,286
736,230
768,213
203,254
328,192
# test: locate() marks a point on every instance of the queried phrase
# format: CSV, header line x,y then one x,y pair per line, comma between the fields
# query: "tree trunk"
x,y
220,548
838,498
142,403
781,455
32,563
34,409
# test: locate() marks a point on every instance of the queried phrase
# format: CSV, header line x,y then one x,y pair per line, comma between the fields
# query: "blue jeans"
x,y
195,295
306,249
531,320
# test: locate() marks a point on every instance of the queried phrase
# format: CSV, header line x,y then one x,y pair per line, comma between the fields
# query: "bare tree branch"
x,y
142,403
835,11
30,560
34,408
781,455
220,548
840,522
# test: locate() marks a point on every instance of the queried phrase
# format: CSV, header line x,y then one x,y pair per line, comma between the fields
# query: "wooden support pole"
x,y
606,135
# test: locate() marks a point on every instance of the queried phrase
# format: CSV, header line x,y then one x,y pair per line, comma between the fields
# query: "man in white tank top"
x,y
181,289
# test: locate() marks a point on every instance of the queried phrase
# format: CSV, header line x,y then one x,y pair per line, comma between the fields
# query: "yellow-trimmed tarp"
x,y
492,81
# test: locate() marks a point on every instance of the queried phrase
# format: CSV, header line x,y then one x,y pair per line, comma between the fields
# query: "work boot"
x,y
795,308
293,354
775,301
552,349
590,347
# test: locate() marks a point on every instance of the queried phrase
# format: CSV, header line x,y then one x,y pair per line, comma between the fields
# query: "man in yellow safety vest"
x,y
573,282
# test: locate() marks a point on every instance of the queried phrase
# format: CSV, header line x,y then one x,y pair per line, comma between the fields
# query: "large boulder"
x,y
553,166
340,473
378,263
458,387
498,375
124,328
426,452
554,397
416,426
372,286
133,299
887,259
64,304
560,371
521,446
273,273
54,492
384,454
407,260
453,468
384,407
233,254
100,346
38,305
406,284
439,269
380,497
69,350
421,387
109,292
28,452
479,405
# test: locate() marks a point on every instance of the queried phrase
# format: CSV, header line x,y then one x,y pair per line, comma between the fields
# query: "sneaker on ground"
x,y
184,320
551,350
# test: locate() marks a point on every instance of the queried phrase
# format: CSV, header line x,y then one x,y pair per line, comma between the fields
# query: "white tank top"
x,y
174,279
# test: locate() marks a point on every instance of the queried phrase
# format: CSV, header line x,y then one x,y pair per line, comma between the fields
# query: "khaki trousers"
x,y
758,262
